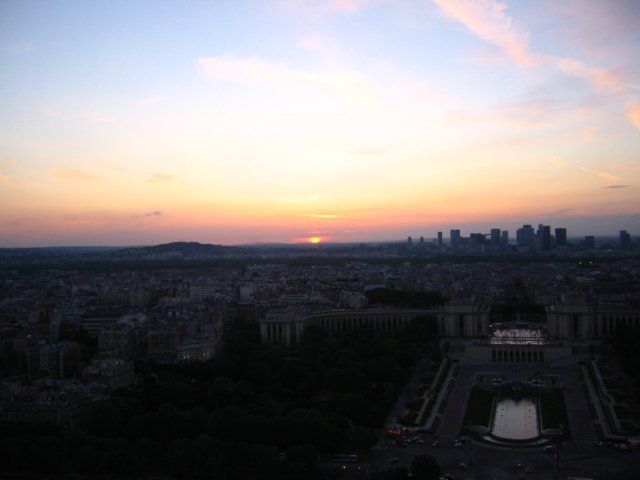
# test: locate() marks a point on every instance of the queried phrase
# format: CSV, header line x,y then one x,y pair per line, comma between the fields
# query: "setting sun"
x,y
315,240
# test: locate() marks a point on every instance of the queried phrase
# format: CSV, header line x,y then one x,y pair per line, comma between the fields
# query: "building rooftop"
x,y
517,334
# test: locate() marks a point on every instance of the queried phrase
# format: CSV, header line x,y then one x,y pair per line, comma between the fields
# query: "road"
x,y
579,458
488,462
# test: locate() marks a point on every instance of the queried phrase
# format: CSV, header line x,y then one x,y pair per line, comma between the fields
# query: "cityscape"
x,y
157,361
320,240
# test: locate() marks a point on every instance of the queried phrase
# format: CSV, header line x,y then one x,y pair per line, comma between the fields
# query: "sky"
x,y
233,122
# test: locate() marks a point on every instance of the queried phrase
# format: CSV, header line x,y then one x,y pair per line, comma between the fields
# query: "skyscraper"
x,y
495,236
455,238
525,236
545,243
625,239
589,242
561,236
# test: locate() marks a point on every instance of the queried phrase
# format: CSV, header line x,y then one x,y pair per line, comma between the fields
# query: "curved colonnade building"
x,y
287,327
572,325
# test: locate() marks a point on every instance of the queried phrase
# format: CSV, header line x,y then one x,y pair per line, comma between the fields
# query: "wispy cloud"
x,y
587,134
72,174
4,178
615,187
342,215
148,101
155,213
633,112
488,20
11,161
558,161
325,216
343,84
600,77
608,176
161,178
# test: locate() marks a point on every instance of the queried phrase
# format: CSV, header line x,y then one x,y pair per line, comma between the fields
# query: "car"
x,y
457,443
622,447
435,443
549,449
463,466
394,460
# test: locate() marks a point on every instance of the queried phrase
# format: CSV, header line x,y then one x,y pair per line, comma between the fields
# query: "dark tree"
x,y
424,467
105,420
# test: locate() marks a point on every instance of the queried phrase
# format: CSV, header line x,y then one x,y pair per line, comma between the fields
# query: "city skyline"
x,y
343,120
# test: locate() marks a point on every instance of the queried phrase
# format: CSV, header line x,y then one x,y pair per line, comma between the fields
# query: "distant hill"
x,y
179,249
63,255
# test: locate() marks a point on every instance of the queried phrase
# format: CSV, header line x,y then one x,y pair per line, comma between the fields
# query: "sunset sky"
x,y
230,121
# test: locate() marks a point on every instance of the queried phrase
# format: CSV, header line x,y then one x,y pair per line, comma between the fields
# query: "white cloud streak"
x,y
148,101
607,176
345,85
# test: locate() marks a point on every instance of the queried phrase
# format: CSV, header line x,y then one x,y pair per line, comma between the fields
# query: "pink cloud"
x,y
148,101
599,77
633,112
488,20
72,174
607,176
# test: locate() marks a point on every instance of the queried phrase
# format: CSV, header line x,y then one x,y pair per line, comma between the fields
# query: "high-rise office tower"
x,y
545,241
525,236
589,242
455,238
625,239
495,236
409,241
561,236
439,239
505,238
